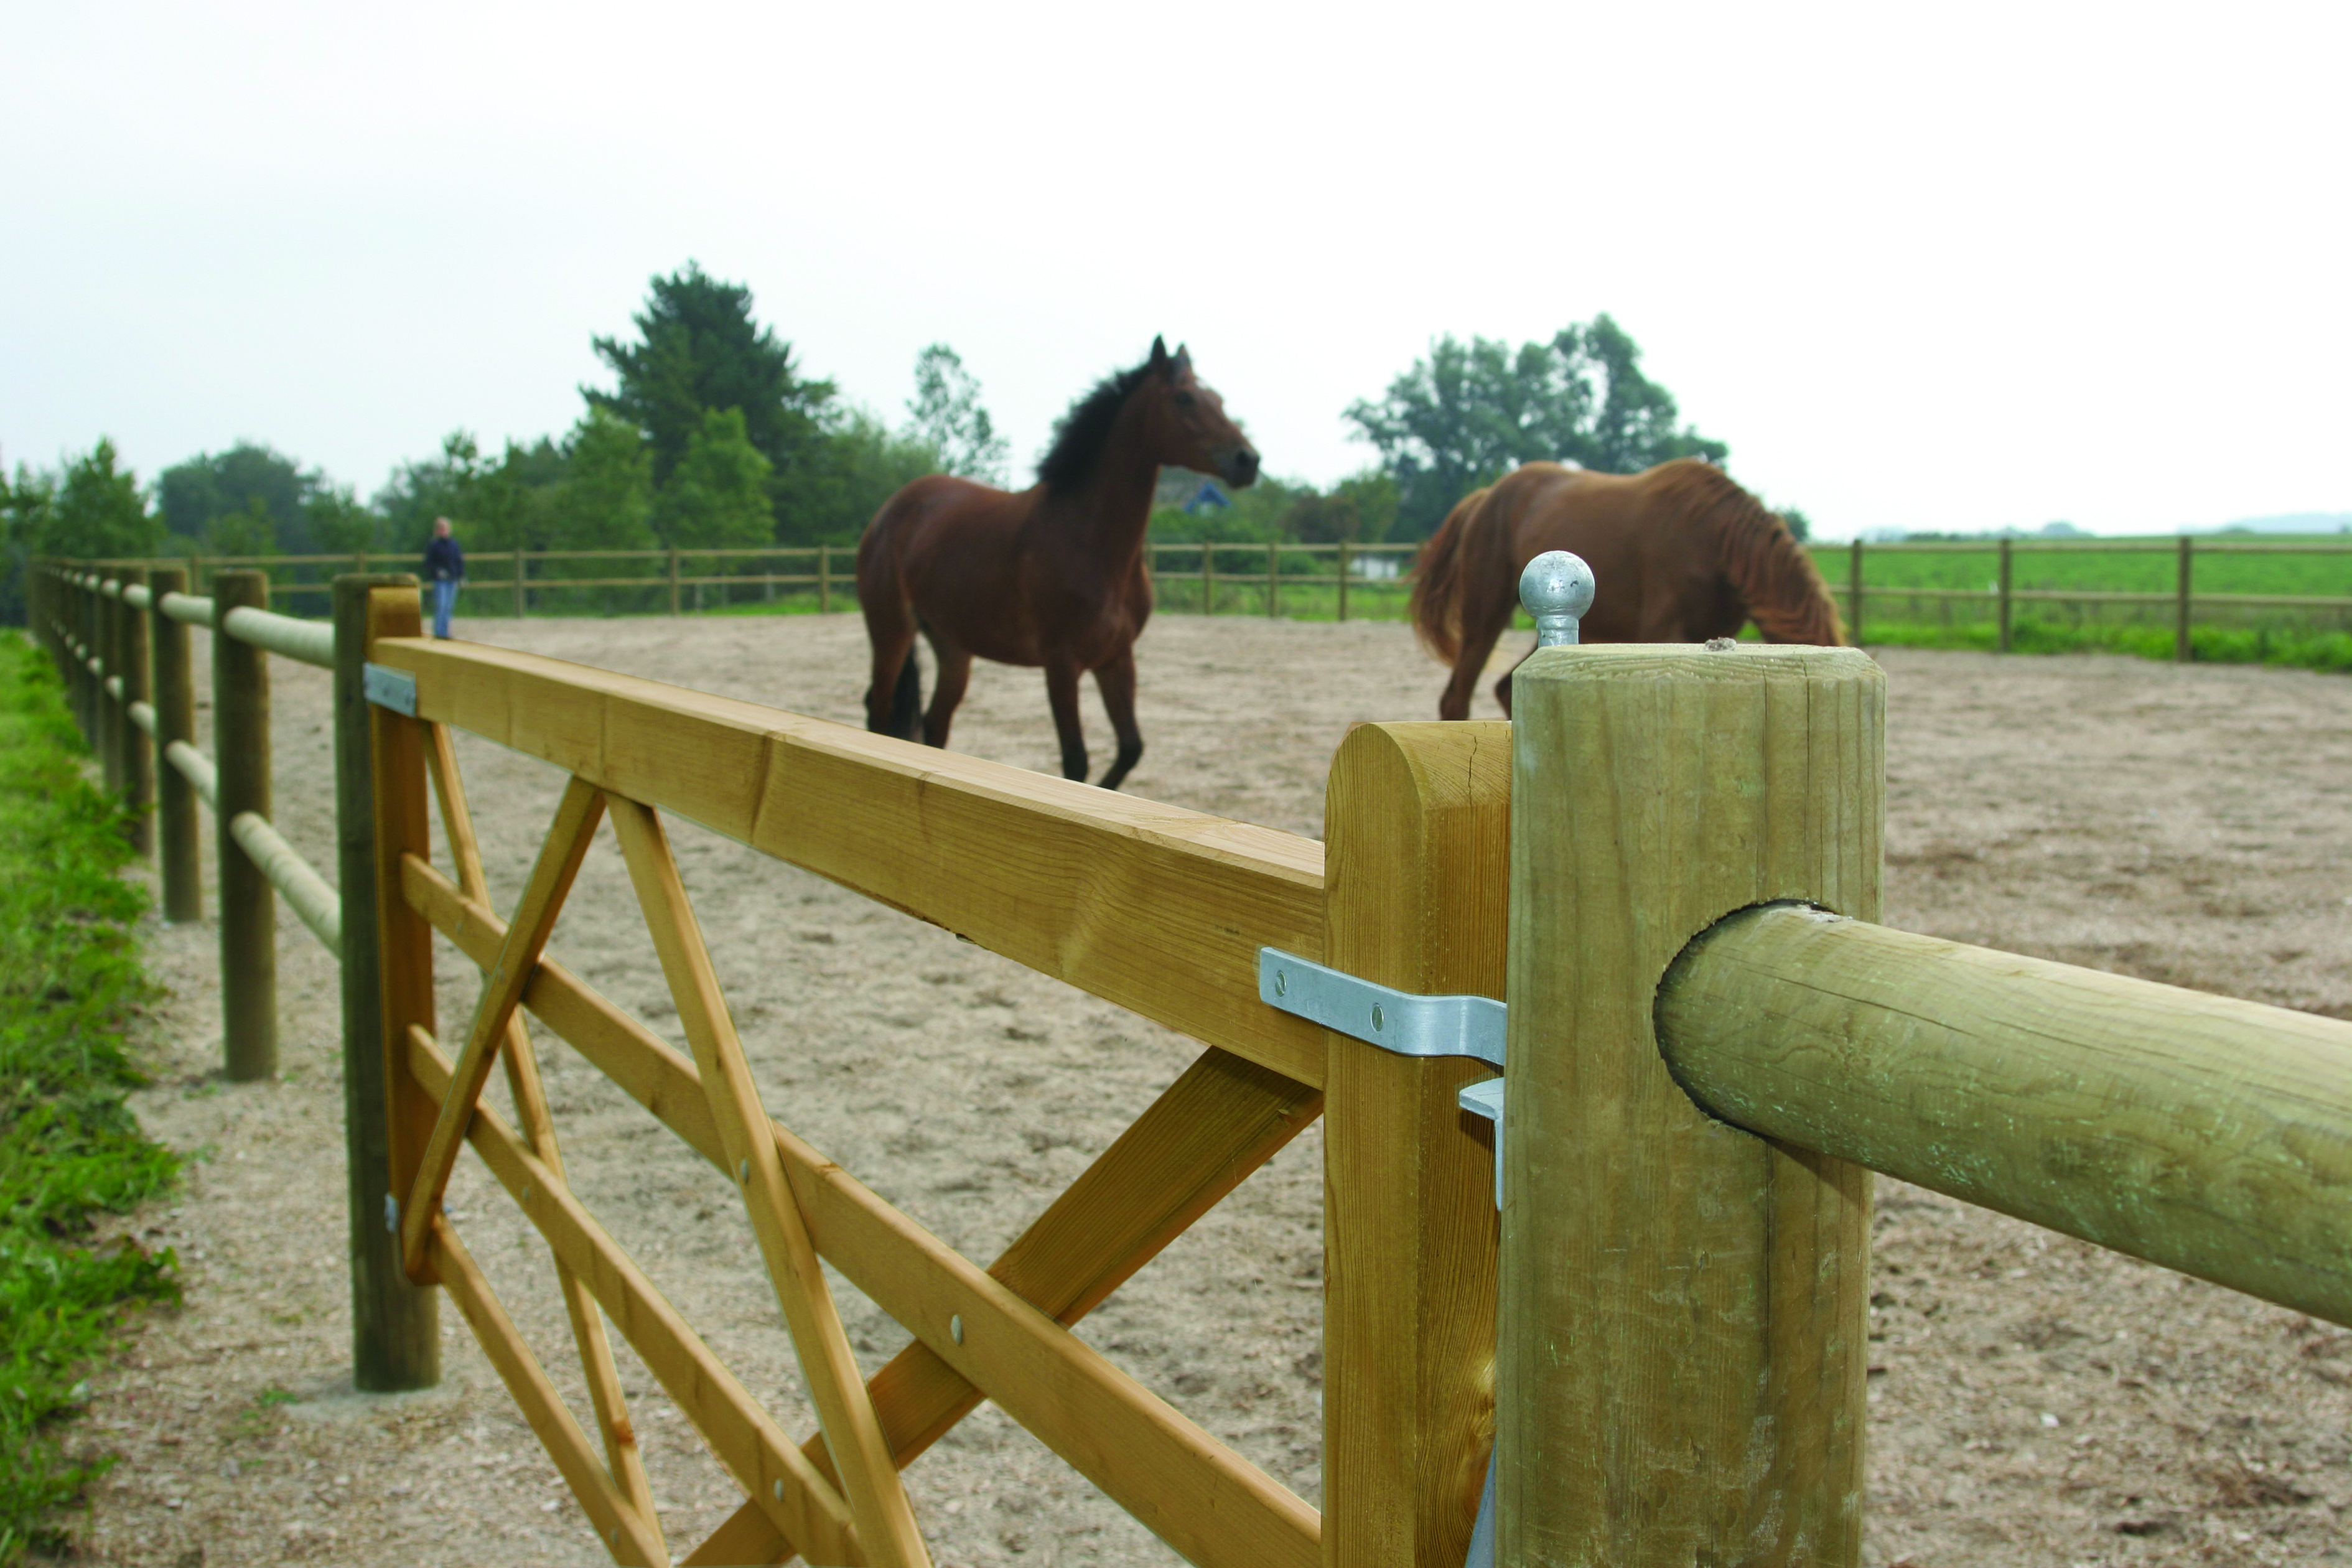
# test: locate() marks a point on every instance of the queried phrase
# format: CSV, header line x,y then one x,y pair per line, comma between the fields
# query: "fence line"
x,y
1691,1102
2004,595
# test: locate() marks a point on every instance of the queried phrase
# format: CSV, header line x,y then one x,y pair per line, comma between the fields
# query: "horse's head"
x,y
1186,420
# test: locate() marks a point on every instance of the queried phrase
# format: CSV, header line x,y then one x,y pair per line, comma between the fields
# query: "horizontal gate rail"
x,y
1158,908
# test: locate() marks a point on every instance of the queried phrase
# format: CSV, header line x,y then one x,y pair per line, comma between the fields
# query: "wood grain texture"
x,y
395,1326
1682,1342
542,900
790,1494
1417,895
139,754
1202,1499
627,1534
877,1499
1158,908
2207,1134
621,1452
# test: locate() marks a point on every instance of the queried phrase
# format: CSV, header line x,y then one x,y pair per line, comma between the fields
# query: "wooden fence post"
x,y
2006,565
2180,610
1683,1343
1208,578
1345,551
139,756
517,583
1854,594
247,911
824,579
179,860
387,975
1417,880
104,613
673,580
1273,581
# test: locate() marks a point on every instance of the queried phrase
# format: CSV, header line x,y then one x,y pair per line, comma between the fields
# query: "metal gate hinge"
x,y
1399,1021
389,688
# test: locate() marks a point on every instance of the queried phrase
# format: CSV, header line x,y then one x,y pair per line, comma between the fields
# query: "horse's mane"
x,y
1082,433
1775,575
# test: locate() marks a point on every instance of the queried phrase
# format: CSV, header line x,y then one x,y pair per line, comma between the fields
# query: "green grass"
x,y
2153,570
69,981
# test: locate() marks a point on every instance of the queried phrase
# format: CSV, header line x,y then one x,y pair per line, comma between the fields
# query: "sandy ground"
x,y
2034,1401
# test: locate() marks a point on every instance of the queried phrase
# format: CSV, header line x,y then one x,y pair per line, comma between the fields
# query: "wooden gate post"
x,y
1417,895
1682,1342
248,914
2180,595
387,974
138,755
178,858
2006,575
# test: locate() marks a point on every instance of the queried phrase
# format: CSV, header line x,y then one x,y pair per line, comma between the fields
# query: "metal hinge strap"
x,y
389,688
1399,1021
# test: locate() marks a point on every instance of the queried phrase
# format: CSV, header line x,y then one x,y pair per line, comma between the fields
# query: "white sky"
x,y
1946,267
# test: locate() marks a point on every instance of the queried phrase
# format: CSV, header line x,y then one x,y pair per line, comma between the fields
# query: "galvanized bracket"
x,y
389,688
1399,1021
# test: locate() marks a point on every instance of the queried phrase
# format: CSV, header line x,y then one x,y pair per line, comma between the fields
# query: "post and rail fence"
x,y
1651,1354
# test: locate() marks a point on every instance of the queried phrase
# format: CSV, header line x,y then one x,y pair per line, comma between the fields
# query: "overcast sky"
x,y
1930,266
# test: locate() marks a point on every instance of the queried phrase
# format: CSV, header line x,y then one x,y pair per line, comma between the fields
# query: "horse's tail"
x,y
907,701
1775,575
1438,580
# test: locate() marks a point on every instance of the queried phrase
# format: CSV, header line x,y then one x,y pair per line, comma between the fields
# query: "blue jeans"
x,y
445,599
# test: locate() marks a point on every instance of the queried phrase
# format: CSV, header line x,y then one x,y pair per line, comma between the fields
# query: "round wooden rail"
x,y
2210,1135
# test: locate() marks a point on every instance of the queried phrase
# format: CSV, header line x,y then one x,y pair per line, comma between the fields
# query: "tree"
x,y
1470,413
718,493
193,495
99,513
435,487
606,501
949,418
247,531
700,349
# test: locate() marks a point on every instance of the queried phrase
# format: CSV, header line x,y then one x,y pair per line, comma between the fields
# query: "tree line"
x,y
713,434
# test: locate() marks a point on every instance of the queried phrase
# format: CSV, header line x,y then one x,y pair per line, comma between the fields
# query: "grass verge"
x,y
69,1148
2298,647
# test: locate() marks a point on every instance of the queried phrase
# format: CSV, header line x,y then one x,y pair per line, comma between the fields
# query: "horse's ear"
x,y
1183,359
1159,353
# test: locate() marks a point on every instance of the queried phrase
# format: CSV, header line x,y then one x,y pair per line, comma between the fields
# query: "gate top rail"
x,y
2202,1133
1158,908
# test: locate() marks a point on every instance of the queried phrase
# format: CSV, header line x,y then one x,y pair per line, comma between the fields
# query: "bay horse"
x,y
1050,577
1678,552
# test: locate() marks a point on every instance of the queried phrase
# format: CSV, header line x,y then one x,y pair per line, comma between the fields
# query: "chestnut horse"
x,y
1052,576
1679,554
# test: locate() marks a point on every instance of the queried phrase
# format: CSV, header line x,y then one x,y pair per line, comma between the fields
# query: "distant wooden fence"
x,y
2003,596
525,576
1663,1344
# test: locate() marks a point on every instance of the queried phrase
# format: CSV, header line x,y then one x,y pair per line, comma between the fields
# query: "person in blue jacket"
x,y
445,568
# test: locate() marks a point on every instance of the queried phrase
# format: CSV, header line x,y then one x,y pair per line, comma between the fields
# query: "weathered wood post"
x,y
1682,1342
1345,550
517,583
1416,897
178,858
105,612
1273,581
248,906
673,580
387,985
139,757
2006,575
1208,578
1853,592
824,579
2180,597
